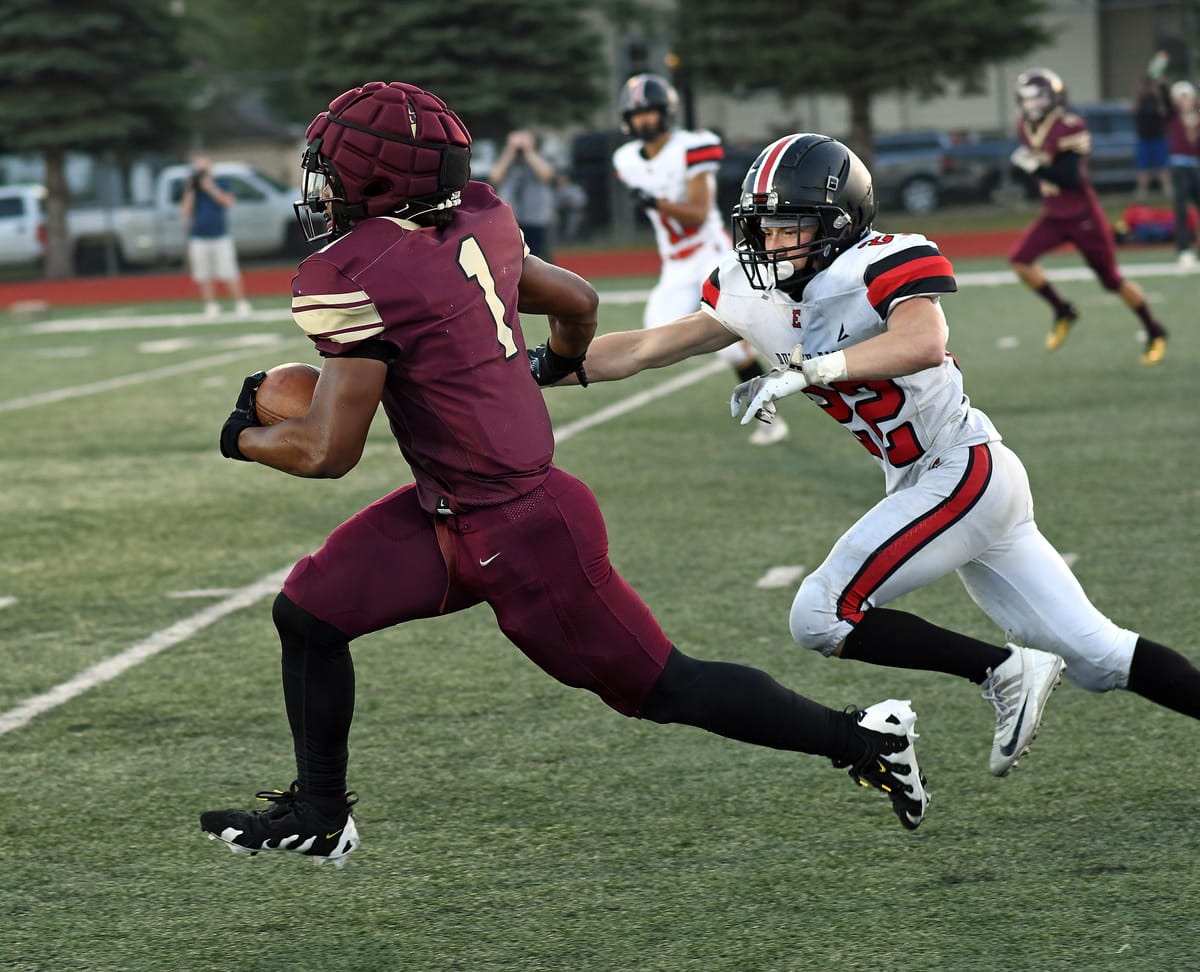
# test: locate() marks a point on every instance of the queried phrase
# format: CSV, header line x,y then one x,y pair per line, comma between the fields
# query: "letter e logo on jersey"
x,y
796,318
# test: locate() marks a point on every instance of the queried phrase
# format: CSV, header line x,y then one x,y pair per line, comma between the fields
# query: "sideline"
x,y
267,586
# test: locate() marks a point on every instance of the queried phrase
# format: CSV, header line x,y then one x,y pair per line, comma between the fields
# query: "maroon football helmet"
x,y
381,149
1039,92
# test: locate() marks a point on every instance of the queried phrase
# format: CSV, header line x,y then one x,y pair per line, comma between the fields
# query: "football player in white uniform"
x,y
853,316
671,173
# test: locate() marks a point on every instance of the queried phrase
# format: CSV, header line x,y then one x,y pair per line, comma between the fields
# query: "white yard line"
x,y
110,668
138,378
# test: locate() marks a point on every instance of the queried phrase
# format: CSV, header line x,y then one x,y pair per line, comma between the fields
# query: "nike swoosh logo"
x,y
331,836
484,563
1008,747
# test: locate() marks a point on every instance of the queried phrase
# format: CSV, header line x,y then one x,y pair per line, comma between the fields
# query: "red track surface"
x,y
277,282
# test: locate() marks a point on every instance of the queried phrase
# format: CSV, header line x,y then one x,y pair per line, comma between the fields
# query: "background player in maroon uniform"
x,y
1055,143
415,304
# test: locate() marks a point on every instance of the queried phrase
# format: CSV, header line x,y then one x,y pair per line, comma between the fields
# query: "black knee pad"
x,y
301,631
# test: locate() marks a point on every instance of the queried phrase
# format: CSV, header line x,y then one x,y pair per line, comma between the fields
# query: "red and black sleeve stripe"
x,y
704,153
916,270
710,293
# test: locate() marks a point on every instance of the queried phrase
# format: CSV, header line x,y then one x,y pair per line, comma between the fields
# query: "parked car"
x,y
22,225
1111,162
913,171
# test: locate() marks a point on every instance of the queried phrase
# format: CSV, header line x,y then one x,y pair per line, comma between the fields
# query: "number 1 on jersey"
x,y
474,264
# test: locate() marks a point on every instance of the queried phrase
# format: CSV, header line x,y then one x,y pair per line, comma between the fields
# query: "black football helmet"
x,y
815,181
1039,91
648,92
381,149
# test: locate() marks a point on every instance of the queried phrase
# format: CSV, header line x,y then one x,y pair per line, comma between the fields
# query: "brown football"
x,y
286,392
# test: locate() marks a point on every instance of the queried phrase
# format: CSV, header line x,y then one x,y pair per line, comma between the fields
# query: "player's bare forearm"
x,y
299,447
327,442
623,353
915,339
568,301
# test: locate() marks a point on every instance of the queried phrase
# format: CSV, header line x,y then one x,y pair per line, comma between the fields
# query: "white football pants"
x,y
918,534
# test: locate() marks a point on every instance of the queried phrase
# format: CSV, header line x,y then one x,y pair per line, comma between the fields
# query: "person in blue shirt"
x,y
212,255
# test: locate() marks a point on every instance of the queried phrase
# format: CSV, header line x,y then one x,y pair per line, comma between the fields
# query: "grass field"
x,y
509,823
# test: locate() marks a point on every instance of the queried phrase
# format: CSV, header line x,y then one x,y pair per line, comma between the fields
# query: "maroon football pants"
x,y
540,561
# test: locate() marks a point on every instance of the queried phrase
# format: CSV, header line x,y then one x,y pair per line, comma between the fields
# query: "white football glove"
x,y
1025,159
763,391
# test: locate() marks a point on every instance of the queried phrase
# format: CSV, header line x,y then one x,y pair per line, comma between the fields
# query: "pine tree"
x,y
858,48
81,76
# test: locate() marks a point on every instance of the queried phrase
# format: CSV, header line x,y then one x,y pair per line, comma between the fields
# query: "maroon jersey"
x,y
468,417
1183,141
1061,131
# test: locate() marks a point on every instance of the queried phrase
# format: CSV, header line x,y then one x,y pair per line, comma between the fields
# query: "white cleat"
x,y
765,434
1019,688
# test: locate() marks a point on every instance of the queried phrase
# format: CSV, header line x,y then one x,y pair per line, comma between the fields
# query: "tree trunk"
x,y
59,258
862,135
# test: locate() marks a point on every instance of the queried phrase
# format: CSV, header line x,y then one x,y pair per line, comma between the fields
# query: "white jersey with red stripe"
x,y
685,155
957,498
905,423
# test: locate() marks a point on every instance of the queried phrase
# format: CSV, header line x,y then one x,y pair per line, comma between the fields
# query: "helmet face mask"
x,y
814,183
648,93
322,209
769,268
382,149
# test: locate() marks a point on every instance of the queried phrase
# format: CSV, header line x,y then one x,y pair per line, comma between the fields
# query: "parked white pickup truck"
x,y
262,222
22,225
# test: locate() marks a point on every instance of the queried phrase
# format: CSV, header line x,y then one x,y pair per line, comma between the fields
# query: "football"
x,y
286,392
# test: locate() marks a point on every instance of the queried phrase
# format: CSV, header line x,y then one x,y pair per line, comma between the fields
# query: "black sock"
x,y
1164,676
746,704
1153,328
901,640
1047,292
318,692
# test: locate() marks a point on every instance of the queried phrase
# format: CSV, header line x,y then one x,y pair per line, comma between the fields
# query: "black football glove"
x,y
548,367
243,416
643,200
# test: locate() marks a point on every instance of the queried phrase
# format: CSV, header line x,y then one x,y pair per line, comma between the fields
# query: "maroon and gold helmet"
x,y
1039,91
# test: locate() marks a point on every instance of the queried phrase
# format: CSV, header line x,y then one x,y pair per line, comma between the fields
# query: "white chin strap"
x,y
783,270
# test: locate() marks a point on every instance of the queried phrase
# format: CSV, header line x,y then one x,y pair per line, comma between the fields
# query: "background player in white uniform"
x,y
671,173
854,318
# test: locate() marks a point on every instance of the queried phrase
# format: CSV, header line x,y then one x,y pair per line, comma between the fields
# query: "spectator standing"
x,y
1150,112
212,255
526,180
1183,141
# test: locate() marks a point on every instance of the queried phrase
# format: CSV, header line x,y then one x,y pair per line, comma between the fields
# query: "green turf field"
x,y
512,824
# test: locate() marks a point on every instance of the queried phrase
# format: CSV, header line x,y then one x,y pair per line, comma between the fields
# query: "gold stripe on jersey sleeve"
x,y
1080,142
341,318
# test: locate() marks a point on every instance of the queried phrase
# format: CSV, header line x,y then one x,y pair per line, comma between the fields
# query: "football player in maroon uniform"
x,y
414,303
1055,143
